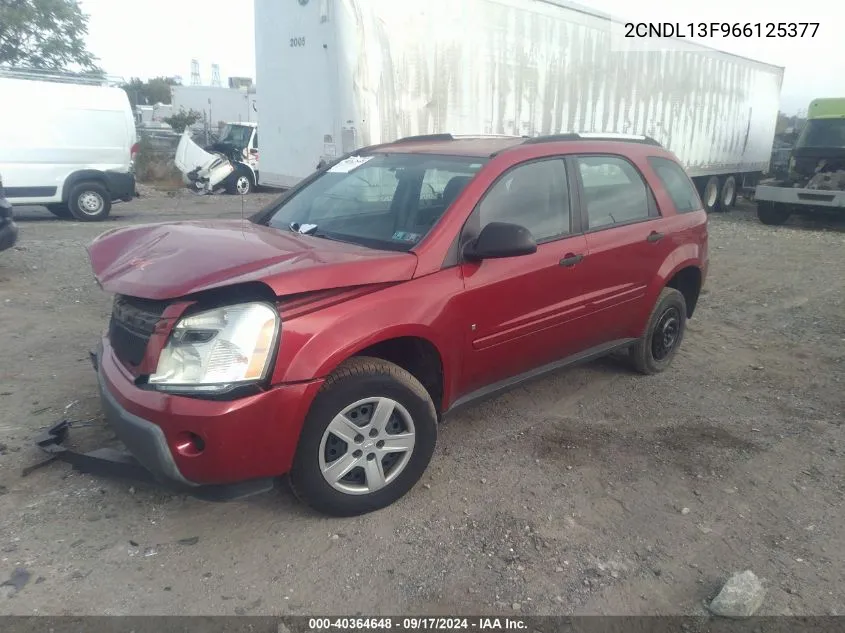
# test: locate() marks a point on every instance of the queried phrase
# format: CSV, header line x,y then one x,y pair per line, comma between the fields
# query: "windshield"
x,y
237,135
388,201
822,133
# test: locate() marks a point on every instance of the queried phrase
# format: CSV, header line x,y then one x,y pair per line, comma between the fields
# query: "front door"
x,y
523,312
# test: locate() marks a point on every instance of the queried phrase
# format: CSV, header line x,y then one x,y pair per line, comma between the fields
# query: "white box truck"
x,y
336,75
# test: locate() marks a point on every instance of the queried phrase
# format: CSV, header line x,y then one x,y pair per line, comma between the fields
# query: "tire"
x,y
241,183
649,354
358,388
60,211
727,195
710,195
772,213
89,201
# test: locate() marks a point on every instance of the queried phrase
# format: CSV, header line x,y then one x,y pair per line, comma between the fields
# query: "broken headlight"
x,y
215,350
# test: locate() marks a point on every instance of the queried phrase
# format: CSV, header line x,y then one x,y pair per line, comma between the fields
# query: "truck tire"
x,y
772,213
710,195
727,195
60,211
241,182
89,201
344,465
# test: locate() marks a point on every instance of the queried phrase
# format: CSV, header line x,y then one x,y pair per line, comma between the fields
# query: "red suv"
x,y
327,336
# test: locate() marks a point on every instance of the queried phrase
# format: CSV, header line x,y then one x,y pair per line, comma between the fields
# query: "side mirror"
x,y
501,239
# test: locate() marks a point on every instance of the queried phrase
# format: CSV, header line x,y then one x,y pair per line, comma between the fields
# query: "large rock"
x,y
741,596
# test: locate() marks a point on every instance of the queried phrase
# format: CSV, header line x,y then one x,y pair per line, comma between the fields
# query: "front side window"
x,y
236,135
386,201
535,196
677,184
614,191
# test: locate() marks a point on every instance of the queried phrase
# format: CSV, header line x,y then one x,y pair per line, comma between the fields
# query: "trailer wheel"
x,y
772,213
728,193
710,197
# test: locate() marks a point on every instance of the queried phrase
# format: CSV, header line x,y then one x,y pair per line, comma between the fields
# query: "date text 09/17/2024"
x,y
721,29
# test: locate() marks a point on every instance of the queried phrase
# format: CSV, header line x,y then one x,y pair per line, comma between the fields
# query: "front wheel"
x,y
241,183
772,213
368,438
654,351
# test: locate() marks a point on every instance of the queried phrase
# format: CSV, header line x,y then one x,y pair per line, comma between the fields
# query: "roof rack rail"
x,y
482,136
425,137
59,76
592,136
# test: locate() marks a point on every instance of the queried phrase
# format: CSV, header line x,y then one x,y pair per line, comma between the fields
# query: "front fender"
x,y
313,345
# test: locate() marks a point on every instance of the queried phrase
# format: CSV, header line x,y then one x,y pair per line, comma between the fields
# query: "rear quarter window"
x,y
677,184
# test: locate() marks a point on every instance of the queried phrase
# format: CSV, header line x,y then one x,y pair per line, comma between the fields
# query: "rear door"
x,y
520,313
627,241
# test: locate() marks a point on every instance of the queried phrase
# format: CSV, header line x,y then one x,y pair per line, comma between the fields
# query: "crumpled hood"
x,y
169,260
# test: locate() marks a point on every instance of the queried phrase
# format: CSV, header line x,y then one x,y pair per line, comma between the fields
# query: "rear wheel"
x,y
772,213
728,193
710,195
368,438
89,201
59,210
653,353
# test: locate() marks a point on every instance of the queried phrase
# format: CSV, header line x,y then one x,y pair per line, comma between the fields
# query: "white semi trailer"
x,y
336,75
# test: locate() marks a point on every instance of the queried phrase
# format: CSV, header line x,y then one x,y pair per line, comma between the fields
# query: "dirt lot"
x,y
593,491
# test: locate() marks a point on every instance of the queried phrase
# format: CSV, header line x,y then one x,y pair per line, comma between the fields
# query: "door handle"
x,y
570,259
654,236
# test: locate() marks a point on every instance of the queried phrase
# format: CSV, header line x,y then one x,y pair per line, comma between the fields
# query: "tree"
x,y
182,120
45,34
156,90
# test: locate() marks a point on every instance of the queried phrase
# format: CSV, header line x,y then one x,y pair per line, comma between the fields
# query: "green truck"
x,y
815,180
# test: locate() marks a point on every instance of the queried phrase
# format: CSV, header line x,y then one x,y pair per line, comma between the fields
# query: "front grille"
x,y
132,323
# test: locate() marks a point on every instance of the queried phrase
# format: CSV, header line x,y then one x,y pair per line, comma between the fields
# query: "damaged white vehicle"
x,y
230,164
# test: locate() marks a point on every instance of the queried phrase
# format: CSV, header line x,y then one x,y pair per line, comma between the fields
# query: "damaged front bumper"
x,y
833,200
148,458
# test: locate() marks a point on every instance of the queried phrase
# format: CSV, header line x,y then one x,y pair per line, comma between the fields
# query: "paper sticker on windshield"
x,y
348,164
406,237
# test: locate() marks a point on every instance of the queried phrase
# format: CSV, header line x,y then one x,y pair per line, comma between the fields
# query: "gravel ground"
x,y
594,491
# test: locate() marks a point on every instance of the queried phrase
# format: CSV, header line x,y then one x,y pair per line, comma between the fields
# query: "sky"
x,y
163,37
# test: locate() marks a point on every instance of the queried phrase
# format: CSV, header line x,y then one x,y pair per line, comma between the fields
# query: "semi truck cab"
x,y
815,180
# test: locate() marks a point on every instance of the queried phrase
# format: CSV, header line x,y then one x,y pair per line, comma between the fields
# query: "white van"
x,y
68,146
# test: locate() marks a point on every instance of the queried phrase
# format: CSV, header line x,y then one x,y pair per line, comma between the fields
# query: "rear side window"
x,y
677,184
614,191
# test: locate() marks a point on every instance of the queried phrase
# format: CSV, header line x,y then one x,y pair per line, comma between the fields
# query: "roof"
x,y
829,108
486,146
